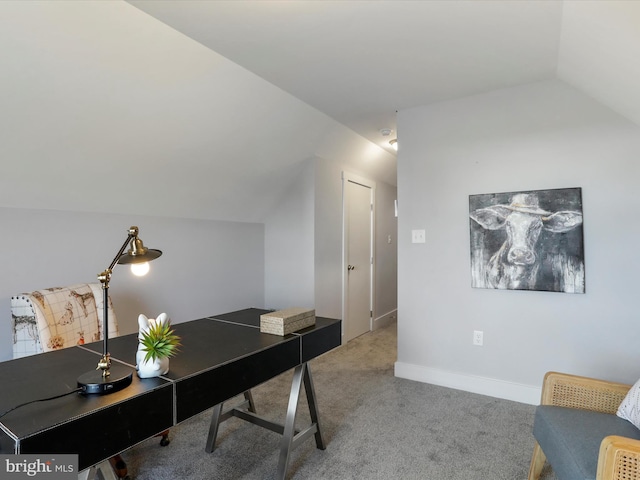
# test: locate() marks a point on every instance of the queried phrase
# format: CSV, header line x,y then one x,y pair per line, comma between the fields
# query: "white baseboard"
x,y
485,386
386,319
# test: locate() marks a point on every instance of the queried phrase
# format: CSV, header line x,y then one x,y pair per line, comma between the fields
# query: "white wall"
x,y
289,242
539,136
207,267
328,227
386,245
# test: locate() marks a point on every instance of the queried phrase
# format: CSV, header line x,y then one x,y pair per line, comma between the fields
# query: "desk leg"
x,y
289,438
102,471
313,407
248,397
218,417
87,474
213,428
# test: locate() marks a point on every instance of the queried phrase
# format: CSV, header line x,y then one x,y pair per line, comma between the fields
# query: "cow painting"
x,y
517,244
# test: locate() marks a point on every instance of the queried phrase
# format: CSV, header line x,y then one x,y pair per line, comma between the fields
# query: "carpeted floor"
x,y
376,427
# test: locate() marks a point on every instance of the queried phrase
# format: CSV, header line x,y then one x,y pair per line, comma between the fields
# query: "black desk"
x,y
221,356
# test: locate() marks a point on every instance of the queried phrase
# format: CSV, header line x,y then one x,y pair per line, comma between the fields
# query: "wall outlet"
x,y
478,337
418,236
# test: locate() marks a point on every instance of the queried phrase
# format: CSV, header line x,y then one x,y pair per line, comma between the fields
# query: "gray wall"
x,y
539,136
207,267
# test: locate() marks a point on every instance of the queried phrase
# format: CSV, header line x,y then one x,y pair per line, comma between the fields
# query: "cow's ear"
x,y
491,218
561,222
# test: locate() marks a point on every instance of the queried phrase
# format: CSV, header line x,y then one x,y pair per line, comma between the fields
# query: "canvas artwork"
x,y
529,240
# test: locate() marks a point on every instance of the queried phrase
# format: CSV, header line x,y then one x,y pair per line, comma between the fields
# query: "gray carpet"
x,y
376,427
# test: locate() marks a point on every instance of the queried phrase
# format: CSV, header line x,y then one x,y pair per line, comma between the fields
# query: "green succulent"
x,y
160,341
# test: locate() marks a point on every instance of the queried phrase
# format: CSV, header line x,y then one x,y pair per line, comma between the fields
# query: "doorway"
x,y
358,265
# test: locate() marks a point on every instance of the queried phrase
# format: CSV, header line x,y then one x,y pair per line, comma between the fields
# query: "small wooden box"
x,y
284,322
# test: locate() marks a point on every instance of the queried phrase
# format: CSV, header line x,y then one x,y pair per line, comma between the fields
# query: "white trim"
x,y
471,383
386,319
352,177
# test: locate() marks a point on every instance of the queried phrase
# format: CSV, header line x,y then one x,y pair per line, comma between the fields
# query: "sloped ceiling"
x,y
206,109
599,52
106,109
361,61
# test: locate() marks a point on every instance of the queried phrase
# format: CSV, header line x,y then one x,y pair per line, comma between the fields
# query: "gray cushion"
x,y
570,438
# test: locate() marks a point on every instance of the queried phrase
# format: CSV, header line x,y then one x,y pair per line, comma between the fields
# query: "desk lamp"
x,y
105,378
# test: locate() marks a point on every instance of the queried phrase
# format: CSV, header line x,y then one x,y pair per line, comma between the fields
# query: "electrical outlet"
x,y
478,337
418,236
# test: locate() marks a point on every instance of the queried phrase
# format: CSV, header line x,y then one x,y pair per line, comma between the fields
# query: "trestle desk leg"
x,y
218,417
290,439
87,474
213,428
102,471
248,397
313,407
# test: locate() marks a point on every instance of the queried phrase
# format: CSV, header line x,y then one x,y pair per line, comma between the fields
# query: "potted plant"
x,y
157,342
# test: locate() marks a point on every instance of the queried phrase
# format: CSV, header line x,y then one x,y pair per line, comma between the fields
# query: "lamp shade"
x,y
138,253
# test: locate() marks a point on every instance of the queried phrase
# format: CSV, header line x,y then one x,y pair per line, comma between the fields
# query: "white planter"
x,y
151,368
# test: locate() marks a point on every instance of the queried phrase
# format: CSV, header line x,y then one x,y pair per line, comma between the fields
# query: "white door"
x,y
358,256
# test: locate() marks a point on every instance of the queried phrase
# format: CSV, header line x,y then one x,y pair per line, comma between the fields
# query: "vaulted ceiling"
x,y
208,109
361,61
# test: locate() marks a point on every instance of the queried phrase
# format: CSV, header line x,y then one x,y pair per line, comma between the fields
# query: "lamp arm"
x,y
105,277
121,251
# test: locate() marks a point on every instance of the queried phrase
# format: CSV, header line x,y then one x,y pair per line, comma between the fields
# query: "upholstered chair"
x,y
61,317
579,433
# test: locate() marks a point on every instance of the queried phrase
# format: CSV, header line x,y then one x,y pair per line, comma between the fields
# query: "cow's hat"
x,y
526,203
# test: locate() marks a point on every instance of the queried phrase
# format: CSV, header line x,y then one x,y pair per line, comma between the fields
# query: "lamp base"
x,y
94,383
